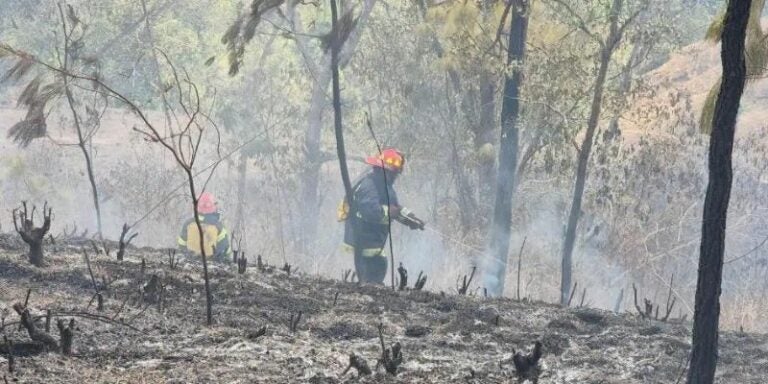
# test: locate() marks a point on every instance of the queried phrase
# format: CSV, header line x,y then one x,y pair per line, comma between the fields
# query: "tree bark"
x,y
707,313
508,148
606,51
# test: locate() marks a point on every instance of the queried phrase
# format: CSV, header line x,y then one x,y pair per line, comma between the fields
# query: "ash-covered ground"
x,y
160,337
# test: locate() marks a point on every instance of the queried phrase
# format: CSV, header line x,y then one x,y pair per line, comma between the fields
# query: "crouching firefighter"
x,y
215,235
368,215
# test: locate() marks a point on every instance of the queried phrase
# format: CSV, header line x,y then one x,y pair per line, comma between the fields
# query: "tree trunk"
x,y
510,111
606,52
484,138
242,175
707,313
36,253
310,179
83,139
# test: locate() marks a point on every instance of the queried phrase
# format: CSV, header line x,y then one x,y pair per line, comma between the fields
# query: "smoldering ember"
x,y
370,191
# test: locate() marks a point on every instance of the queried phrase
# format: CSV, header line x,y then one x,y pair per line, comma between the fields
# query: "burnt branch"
x,y
124,242
35,334
573,292
391,358
9,355
466,282
172,260
421,280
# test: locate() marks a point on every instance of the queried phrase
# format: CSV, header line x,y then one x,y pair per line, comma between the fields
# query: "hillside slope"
x,y
445,338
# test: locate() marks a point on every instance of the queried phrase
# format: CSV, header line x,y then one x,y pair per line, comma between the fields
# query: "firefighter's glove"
x,y
395,211
414,222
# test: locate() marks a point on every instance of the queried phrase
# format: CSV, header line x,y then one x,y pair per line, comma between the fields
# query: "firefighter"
x,y
368,216
216,237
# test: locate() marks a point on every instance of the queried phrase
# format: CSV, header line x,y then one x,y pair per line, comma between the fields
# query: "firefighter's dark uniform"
x,y
215,235
367,226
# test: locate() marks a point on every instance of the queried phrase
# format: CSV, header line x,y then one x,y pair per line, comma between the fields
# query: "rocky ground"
x,y
446,338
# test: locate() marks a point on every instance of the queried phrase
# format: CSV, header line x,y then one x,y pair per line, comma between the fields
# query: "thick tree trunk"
x,y
508,147
606,52
36,253
707,313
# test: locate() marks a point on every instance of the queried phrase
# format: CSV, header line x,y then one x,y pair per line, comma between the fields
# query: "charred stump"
x,y
527,366
359,364
242,265
24,223
67,335
124,242
403,281
35,334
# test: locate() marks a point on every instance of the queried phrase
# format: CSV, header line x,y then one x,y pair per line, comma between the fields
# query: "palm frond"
x,y
708,111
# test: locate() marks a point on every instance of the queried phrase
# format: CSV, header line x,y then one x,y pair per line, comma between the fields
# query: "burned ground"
x,y
445,338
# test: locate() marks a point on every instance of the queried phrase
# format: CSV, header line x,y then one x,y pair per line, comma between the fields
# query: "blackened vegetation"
x,y
391,358
37,335
172,260
359,364
67,334
294,321
242,265
287,269
9,354
464,287
421,280
253,335
24,223
527,366
348,275
124,242
403,281
651,311
264,267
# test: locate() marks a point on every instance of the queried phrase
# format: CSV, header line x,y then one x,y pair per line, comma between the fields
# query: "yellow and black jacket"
x,y
215,237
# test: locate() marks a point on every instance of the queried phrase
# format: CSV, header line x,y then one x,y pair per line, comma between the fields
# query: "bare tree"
x,y
85,103
608,46
184,139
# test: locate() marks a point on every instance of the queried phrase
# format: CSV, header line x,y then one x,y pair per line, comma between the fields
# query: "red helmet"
x,y
206,204
390,159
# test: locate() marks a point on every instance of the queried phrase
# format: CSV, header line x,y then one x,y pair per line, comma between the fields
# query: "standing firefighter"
x,y
373,204
215,236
